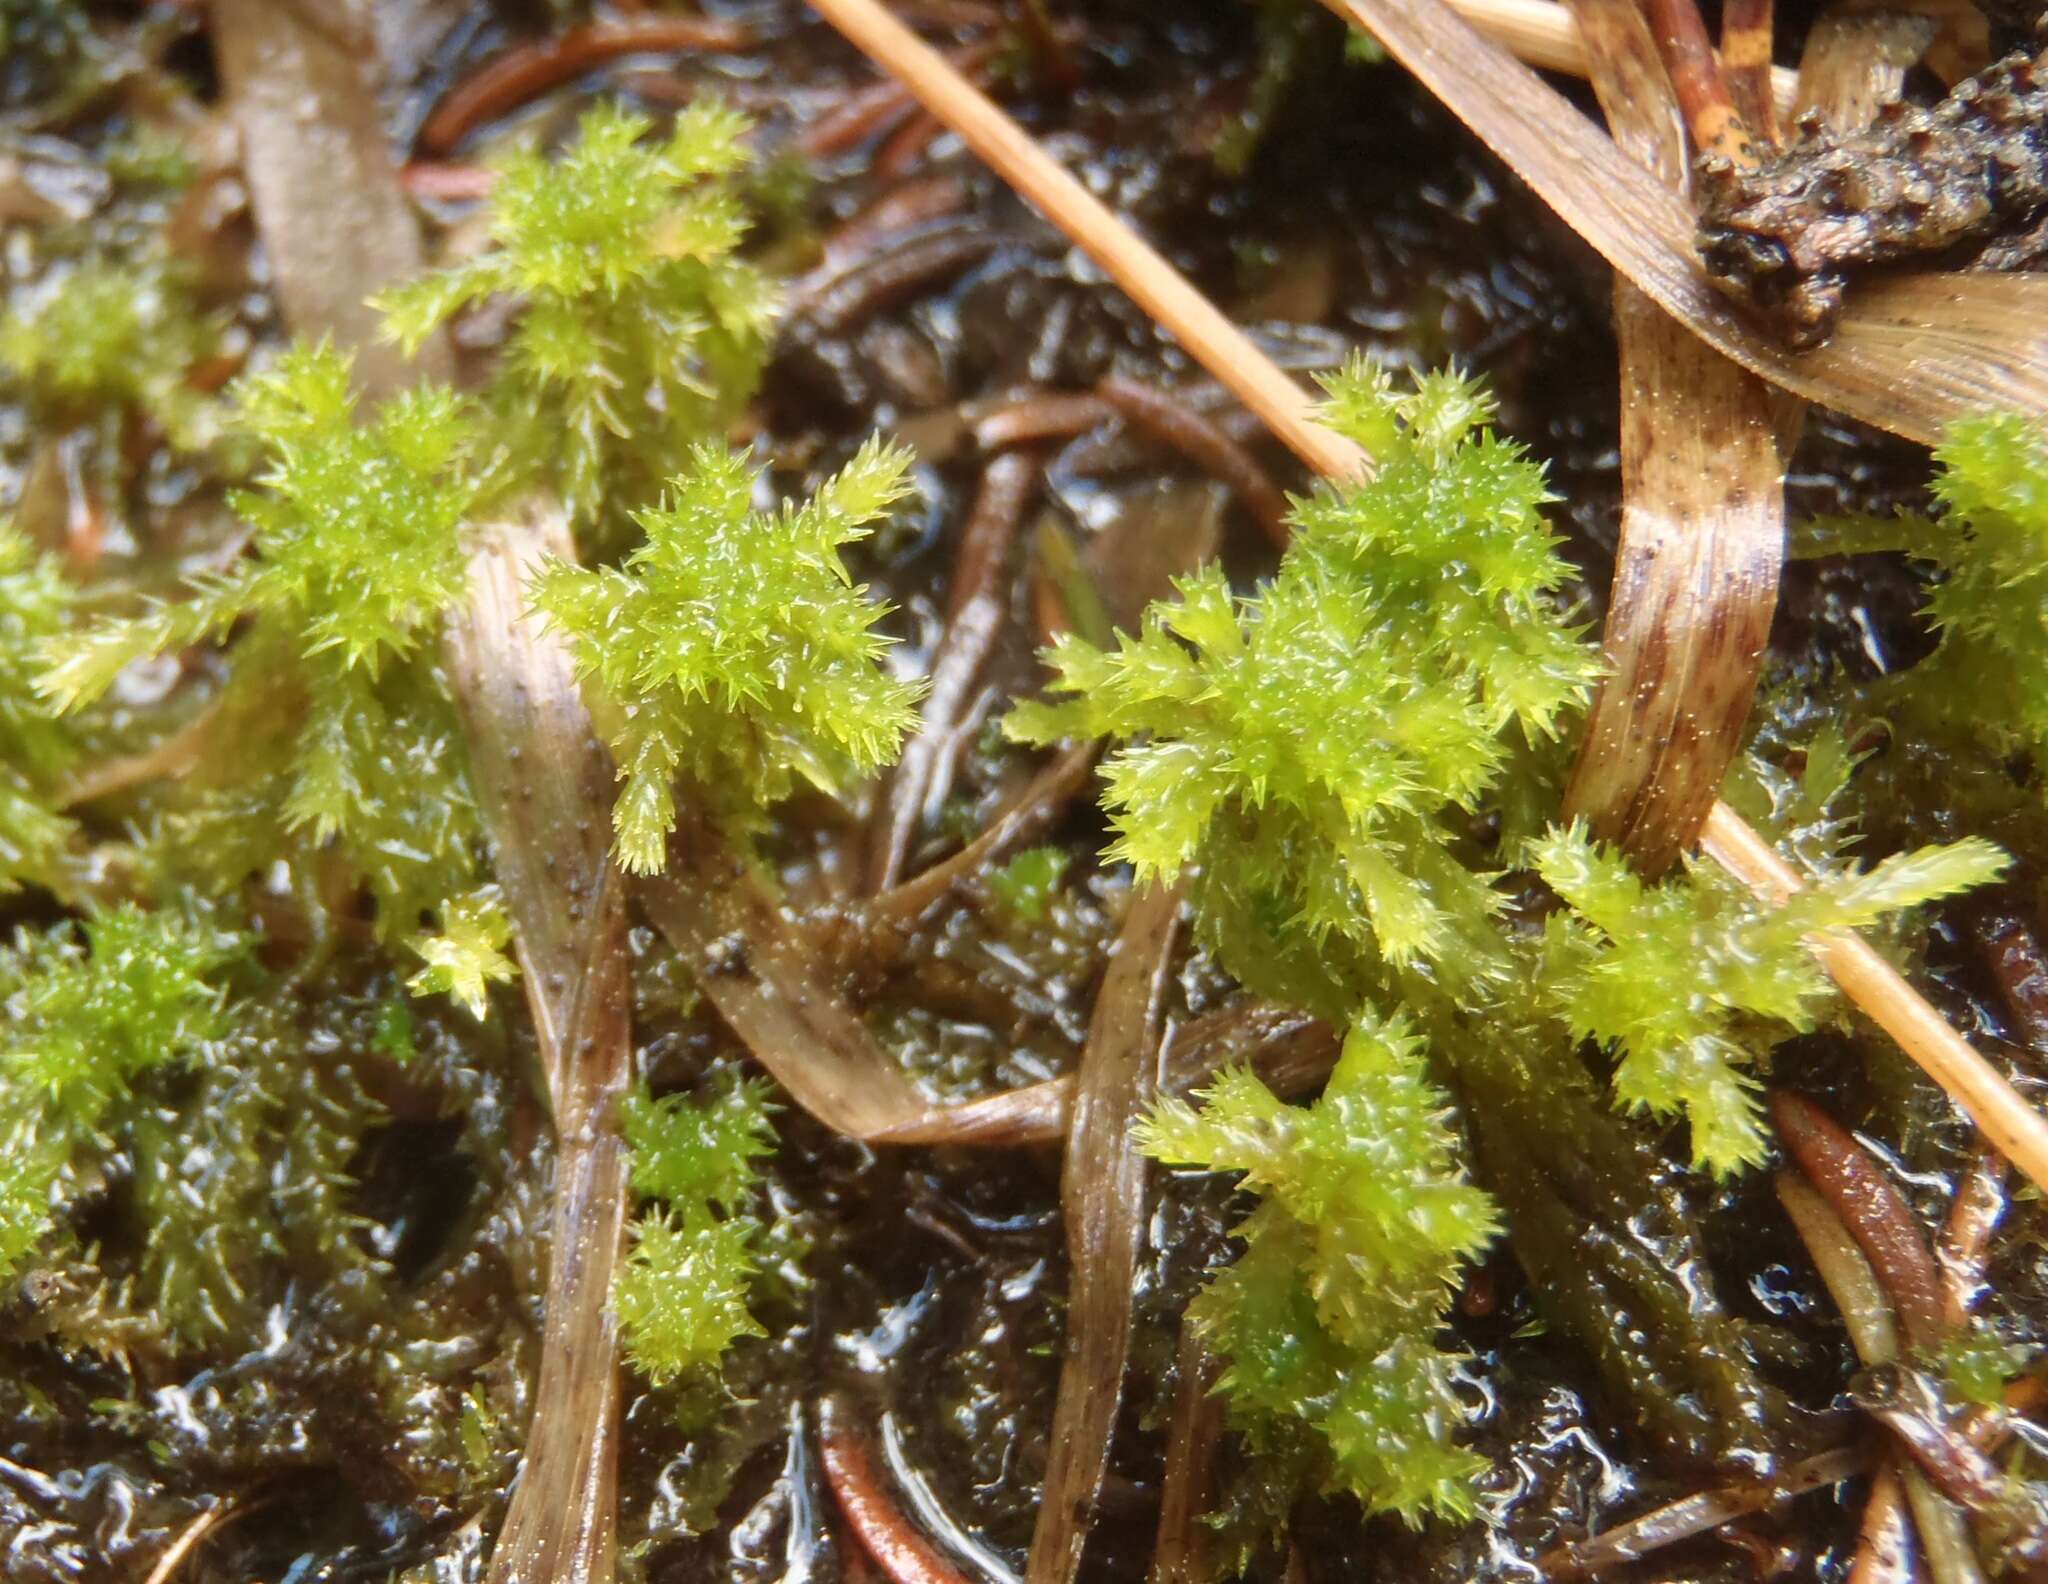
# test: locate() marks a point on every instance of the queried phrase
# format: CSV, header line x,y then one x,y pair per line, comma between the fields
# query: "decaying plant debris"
x,y
716,871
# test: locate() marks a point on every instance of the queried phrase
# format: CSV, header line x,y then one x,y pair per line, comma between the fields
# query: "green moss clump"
x,y
732,651
1363,1224
35,750
1676,974
88,1009
639,330
1302,748
681,1293
358,552
1991,606
102,334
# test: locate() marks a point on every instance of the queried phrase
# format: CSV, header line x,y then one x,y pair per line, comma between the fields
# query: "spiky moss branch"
x,y
89,1008
357,555
1302,746
1364,1218
1672,974
732,650
35,749
638,329
681,1294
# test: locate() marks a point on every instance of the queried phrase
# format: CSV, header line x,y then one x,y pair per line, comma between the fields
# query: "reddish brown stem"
x,y
1884,1540
1696,1514
446,180
527,71
1710,114
1873,1210
863,114
900,209
879,109
906,146
1164,416
1040,803
1747,28
1042,415
2012,950
903,1555
974,615
840,302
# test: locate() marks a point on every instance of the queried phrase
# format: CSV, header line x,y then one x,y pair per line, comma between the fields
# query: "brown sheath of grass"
x,y
1167,418
335,223
527,71
1911,354
1185,1551
1102,1194
544,786
1855,61
1693,1515
1873,985
1717,127
1702,524
975,606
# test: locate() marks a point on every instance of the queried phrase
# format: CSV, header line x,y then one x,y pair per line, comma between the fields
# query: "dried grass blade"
x,y
1546,35
1911,354
771,986
1209,337
1102,1190
335,221
1872,984
1702,524
1290,1052
1844,1271
338,227
544,784
1185,1552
